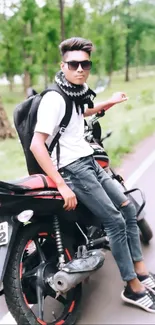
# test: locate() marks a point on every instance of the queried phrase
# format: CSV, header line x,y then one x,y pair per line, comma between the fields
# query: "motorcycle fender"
x,y
5,249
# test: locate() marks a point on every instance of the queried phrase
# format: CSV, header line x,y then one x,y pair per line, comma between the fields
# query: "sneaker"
x,y
148,281
144,300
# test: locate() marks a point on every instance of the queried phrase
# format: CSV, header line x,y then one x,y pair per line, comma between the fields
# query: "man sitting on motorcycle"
x,y
79,176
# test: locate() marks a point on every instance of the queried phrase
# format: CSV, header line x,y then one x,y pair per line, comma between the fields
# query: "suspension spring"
x,y
58,240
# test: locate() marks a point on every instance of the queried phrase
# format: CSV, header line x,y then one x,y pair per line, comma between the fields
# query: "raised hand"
x,y
118,97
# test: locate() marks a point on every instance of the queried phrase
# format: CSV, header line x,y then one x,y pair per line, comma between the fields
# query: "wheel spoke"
x,y
62,299
40,298
30,273
40,251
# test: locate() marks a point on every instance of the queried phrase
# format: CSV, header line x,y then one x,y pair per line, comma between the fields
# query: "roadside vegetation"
x,y
123,33
130,122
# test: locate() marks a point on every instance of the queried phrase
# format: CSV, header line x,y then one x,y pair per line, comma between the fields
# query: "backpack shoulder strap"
x,y
69,105
64,122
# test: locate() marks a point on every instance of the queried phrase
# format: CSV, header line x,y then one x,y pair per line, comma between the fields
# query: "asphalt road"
x,y
101,298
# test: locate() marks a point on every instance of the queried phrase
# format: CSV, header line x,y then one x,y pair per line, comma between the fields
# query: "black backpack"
x,y
25,118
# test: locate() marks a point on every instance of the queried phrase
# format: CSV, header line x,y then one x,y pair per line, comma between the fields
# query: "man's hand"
x,y
68,196
118,97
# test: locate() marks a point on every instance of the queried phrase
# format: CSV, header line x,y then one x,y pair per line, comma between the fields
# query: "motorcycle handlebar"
x,y
92,120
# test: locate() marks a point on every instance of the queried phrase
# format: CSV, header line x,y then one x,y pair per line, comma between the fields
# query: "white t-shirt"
x,y
72,143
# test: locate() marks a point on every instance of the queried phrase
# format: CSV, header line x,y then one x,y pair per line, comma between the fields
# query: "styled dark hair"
x,y
76,44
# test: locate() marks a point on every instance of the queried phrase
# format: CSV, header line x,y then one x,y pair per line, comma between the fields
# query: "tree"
x,y
9,47
49,39
61,5
106,34
136,21
75,24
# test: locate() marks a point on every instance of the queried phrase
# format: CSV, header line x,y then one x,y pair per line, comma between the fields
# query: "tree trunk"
x,y
27,82
28,59
137,58
45,75
11,83
127,46
61,5
112,58
6,131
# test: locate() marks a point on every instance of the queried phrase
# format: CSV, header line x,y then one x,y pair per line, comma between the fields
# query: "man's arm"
x,y
41,154
116,98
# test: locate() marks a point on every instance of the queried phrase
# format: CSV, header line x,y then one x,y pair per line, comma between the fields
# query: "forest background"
x,y
123,32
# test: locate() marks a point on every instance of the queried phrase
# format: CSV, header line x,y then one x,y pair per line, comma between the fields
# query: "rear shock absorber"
x,y
58,240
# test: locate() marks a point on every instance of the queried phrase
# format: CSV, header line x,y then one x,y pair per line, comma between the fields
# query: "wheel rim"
x,y
36,264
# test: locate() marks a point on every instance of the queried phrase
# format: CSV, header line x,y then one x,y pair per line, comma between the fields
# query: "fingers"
x,y
124,99
120,95
119,98
70,203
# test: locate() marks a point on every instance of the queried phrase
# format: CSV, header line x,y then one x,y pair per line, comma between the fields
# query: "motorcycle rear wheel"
x,y
145,230
26,293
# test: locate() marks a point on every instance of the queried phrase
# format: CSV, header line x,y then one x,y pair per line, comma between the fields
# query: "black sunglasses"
x,y
73,65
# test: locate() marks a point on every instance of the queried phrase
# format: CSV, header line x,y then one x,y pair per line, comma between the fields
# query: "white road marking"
x,y
140,171
7,318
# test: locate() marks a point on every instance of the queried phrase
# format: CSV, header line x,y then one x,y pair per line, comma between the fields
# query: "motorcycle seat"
x,y
33,182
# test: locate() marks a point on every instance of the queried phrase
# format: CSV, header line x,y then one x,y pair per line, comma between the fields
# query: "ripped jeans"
x,y
94,187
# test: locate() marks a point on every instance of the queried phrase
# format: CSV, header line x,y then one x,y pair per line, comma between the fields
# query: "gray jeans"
x,y
94,187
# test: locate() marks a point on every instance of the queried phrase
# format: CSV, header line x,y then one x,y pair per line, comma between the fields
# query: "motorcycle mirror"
x,y
108,134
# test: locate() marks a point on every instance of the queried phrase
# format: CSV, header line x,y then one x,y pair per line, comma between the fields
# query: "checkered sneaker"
x,y
144,300
148,281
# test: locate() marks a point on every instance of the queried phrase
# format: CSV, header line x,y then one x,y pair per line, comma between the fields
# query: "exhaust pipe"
x,y
77,271
65,281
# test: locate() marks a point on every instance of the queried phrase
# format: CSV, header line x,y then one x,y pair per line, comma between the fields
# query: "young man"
x,y
86,180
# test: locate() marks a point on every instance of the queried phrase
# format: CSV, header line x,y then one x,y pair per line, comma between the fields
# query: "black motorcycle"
x,y
46,252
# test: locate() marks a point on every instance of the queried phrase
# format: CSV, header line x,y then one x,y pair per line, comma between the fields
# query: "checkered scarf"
x,y
82,95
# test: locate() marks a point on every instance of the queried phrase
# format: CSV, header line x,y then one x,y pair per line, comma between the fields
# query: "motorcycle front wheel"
x,y
29,297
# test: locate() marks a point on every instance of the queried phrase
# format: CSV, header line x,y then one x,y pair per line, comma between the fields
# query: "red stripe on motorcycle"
x,y
33,181
27,245
71,307
60,323
68,254
41,321
102,163
57,197
43,234
20,270
26,300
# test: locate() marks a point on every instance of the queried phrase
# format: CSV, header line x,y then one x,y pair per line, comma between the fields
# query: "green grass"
x,y
131,122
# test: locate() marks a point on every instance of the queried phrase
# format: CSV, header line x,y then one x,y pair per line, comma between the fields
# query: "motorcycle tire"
x,y
34,244
145,230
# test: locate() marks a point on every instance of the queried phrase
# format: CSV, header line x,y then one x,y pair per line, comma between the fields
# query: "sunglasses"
x,y
73,65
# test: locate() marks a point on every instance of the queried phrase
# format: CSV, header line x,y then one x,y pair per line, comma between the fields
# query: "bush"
x,y
128,107
147,96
